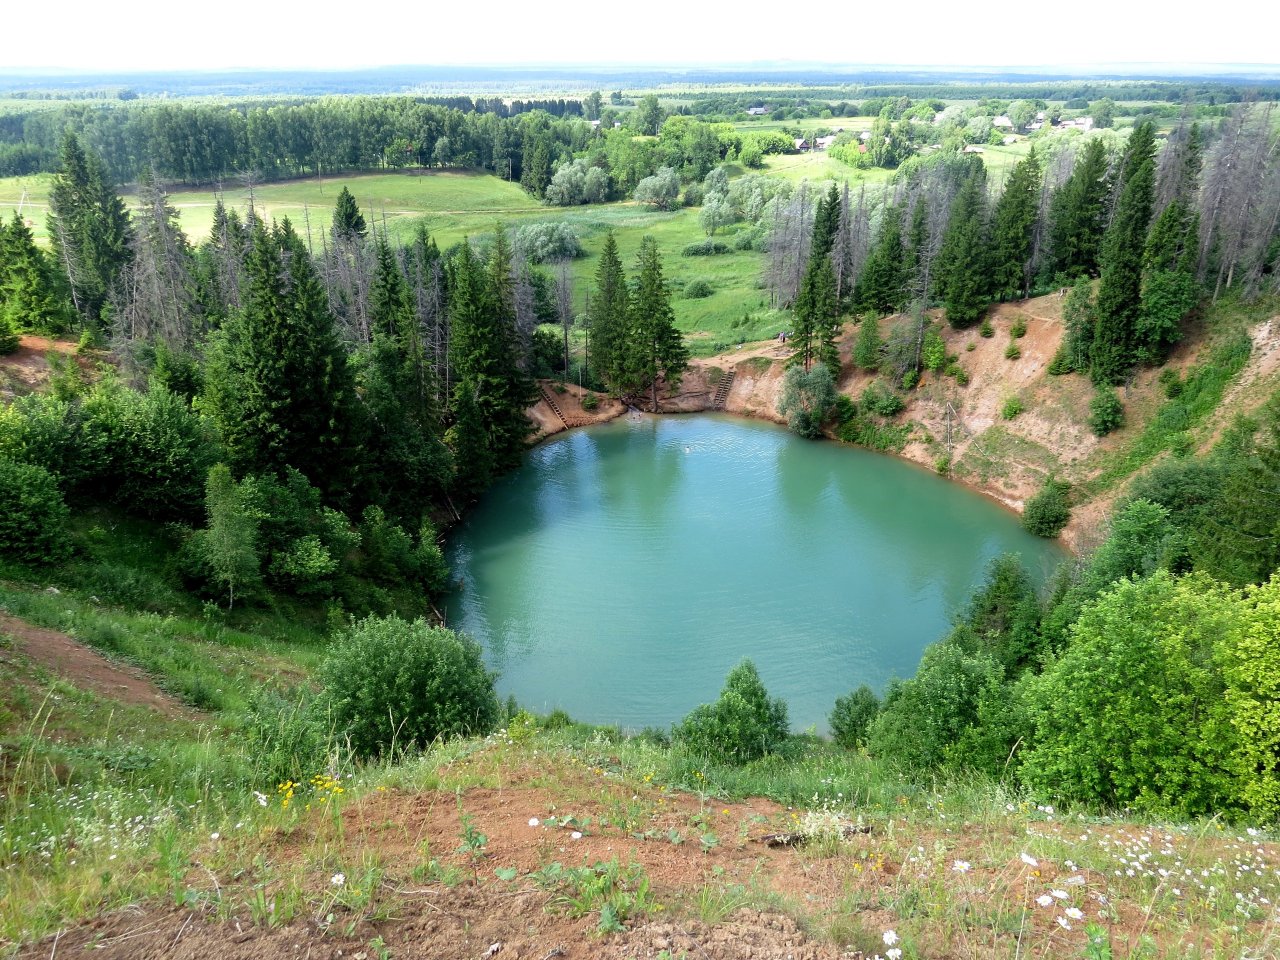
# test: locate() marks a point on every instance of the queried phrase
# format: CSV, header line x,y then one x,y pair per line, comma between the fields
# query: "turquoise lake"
x,y
624,569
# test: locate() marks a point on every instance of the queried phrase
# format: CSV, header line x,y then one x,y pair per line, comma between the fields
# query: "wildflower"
x,y
1075,913
261,798
1044,900
1059,894
1029,860
337,880
213,836
534,821
576,835
890,938
1062,922
961,866
893,953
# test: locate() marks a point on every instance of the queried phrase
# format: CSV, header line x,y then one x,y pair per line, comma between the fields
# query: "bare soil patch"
x,y
64,656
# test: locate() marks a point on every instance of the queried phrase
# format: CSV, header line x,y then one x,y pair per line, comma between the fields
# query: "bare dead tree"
x,y
564,306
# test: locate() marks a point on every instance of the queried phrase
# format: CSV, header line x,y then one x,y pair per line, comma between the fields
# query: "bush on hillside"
x,y
395,685
1049,510
1105,412
698,290
852,715
808,397
742,725
33,517
706,248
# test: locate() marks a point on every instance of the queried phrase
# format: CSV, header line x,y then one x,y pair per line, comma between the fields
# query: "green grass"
x,y
1176,422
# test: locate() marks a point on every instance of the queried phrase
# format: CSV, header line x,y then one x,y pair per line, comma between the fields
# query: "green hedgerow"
x,y
391,684
742,725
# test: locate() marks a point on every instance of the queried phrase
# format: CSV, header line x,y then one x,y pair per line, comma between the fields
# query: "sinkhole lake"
x,y
624,569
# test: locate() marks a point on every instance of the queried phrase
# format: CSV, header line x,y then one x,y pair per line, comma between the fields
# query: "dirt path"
x,y
61,655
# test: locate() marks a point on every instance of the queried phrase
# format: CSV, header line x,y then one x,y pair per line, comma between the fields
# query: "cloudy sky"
x,y
178,34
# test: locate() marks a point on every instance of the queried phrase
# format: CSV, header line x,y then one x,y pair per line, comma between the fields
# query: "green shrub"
x,y
962,376
33,516
943,464
1012,352
9,339
1049,510
808,397
706,248
852,715
1171,383
1060,365
879,399
391,684
1012,407
986,329
742,725
910,379
933,354
698,290
1105,412
1133,712
590,401
1019,328
923,718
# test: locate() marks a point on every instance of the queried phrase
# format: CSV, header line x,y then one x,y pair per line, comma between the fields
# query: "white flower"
x,y
890,938
261,798
1059,894
893,953
576,835
1029,860
1063,923
214,836
337,880
1044,900
534,821
1075,913
961,866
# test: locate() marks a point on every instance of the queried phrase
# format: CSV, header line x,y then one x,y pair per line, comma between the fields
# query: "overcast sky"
x,y
179,34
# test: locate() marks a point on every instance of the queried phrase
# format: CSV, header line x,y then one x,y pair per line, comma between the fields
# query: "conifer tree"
x,y
1013,230
963,260
866,349
655,347
607,317
28,291
278,383
88,226
880,286
1077,214
348,221
490,392
1115,341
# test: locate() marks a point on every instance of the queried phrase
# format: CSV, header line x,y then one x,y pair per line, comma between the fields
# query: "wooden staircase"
x,y
722,390
551,402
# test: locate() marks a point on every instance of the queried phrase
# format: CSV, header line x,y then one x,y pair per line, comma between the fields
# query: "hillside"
x,y
1009,460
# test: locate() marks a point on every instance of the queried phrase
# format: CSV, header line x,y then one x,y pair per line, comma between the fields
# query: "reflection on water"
x,y
624,569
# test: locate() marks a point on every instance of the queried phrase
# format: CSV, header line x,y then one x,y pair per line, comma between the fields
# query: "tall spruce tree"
x,y
1013,231
408,465
817,303
490,392
348,221
1116,314
89,229
29,292
278,384
655,347
608,317
963,259
881,285
1077,214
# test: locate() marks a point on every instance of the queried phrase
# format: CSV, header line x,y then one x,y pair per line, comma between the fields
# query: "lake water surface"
x,y
625,568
